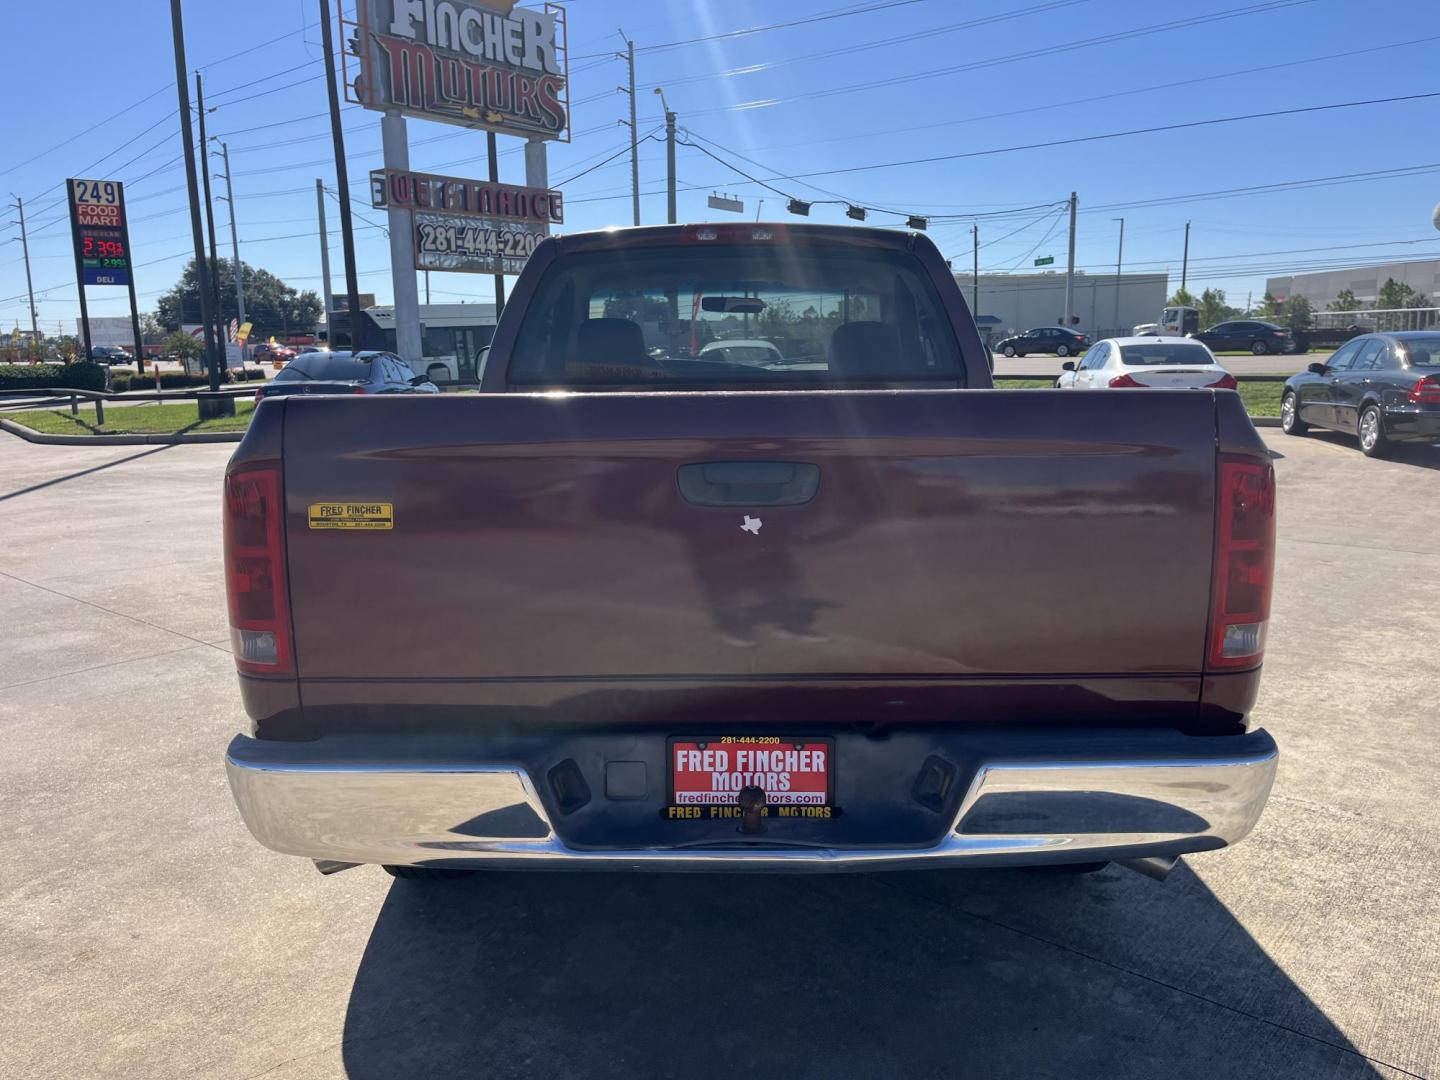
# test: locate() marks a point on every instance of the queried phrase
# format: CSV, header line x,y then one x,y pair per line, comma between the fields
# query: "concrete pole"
x,y
396,146
670,166
29,286
975,271
329,293
634,140
210,226
1185,260
1070,266
493,153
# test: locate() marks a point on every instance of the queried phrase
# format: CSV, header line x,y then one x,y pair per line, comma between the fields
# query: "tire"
x,y
1062,350
1373,442
427,873
1259,348
1009,350
1290,421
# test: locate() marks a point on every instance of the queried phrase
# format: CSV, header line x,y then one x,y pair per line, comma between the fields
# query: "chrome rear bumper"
x,y
386,800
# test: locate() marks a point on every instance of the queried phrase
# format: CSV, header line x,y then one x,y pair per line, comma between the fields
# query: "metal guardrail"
x,y
99,397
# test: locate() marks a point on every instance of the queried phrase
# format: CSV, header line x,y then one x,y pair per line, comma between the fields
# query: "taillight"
x,y
259,393
357,389
1225,382
1123,382
255,570
1244,561
1426,391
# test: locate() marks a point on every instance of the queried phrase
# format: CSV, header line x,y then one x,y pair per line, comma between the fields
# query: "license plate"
x,y
708,774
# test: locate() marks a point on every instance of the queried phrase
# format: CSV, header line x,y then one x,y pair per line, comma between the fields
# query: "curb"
x,y
118,440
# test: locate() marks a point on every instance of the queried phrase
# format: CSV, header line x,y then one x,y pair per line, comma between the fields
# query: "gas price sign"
x,y
97,223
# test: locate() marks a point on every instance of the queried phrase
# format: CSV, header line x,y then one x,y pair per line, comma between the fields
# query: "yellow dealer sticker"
x,y
352,515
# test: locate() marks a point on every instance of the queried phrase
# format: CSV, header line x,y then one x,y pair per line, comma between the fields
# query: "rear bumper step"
x,y
1125,796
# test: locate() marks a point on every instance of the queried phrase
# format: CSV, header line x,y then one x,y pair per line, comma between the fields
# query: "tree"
x,y
150,328
1213,308
1298,310
185,346
271,305
1395,294
1270,308
1344,301
1182,298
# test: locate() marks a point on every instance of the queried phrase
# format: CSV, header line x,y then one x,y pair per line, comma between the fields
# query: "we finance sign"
x,y
478,63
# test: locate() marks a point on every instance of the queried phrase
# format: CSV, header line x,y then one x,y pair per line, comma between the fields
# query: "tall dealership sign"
x,y
478,63
101,236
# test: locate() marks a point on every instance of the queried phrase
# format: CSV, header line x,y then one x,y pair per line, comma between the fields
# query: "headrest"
x,y
865,349
610,341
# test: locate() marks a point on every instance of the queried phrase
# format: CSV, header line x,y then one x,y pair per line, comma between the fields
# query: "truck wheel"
x,y
1373,442
1009,350
1259,348
427,873
1290,421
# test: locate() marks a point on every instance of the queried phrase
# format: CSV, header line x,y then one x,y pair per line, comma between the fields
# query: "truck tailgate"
x,y
950,534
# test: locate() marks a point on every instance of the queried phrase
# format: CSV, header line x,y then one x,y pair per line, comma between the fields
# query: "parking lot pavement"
x,y
144,934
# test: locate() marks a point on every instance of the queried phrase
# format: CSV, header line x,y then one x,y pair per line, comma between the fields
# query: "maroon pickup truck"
x,y
826,602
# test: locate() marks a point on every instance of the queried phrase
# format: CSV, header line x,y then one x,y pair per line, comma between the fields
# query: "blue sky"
x,y
769,97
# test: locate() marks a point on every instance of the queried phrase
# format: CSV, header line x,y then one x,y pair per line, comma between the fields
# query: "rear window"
x,y
337,368
1422,352
644,318
1169,353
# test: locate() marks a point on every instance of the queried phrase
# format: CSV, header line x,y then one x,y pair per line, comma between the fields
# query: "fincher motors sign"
x,y
477,63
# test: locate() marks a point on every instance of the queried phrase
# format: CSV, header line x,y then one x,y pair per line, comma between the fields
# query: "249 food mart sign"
x,y
473,226
477,63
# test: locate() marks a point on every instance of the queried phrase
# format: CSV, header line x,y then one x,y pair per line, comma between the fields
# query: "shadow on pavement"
x,y
979,973
84,472
1420,455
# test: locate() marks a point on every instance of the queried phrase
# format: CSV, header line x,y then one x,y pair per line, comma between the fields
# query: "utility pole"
x,y
234,242
495,179
342,181
1185,261
1070,267
1119,254
210,222
629,57
975,271
202,276
395,143
325,259
427,287
29,287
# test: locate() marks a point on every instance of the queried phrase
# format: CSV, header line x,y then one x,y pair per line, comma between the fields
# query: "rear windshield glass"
x,y
1423,352
1156,355
336,368
797,314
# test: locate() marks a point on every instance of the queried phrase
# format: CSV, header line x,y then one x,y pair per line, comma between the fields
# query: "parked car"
x,y
1141,362
1246,335
346,373
616,612
742,351
277,356
110,354
1382,388
1044,339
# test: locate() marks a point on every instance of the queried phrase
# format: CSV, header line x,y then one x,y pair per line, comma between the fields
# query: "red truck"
x,y
638,605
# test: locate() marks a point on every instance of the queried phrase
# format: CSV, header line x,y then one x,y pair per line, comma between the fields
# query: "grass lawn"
x,y
1261,398
180,417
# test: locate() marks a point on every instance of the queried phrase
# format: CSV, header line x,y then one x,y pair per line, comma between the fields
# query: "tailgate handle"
x,y
748,483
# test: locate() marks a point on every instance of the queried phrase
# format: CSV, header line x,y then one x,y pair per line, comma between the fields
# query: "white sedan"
x,y
1139,362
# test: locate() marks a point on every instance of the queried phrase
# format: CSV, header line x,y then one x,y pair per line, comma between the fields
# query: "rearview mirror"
x,y
1068,365
1317,369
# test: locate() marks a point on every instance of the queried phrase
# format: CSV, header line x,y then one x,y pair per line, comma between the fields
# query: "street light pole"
x,y
1118,256
669,157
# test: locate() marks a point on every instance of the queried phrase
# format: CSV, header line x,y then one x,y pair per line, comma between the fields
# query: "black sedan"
x,y
1045,339
1383,388
346,373
1246,335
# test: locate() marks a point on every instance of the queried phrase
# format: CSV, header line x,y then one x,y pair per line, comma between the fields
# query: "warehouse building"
x,y
1020,302
1364,281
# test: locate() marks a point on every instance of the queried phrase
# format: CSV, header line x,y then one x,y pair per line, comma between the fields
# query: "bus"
x,y
453,338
